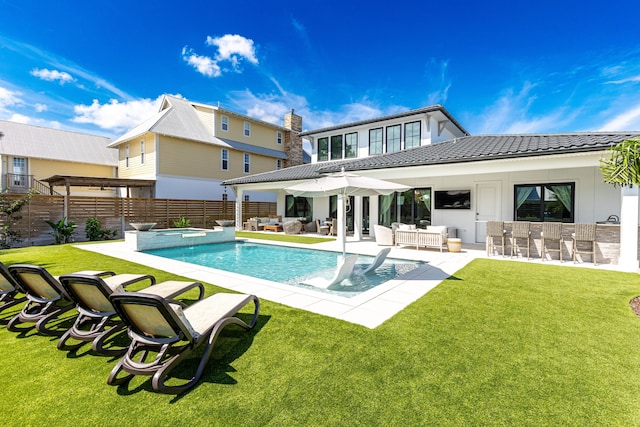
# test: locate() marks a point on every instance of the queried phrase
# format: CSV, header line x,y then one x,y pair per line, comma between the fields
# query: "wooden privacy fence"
x,y
117,213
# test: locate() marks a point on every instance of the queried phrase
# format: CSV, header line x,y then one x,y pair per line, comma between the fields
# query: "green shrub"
x,y
95,232
182,222
62,230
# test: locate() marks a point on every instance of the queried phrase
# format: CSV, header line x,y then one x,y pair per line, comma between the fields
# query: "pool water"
x,y
290,266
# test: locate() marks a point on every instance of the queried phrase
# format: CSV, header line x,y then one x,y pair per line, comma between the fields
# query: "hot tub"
x,y
176,237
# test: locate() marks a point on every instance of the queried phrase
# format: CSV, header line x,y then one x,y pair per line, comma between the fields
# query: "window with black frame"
x,y
544,202
408,207
299,207
323,149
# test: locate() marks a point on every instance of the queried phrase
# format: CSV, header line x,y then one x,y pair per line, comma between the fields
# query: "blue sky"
x,y
498,66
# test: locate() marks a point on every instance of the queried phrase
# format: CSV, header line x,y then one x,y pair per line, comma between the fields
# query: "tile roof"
x,y
459,150
54,144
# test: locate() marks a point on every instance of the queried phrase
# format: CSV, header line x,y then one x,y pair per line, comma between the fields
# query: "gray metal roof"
x,y
459,150
423,110
180,120
36,142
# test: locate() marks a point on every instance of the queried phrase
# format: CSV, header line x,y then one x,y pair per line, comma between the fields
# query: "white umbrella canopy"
x,y
344,184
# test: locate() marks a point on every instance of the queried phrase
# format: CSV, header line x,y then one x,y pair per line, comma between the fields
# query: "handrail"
x,y
22,183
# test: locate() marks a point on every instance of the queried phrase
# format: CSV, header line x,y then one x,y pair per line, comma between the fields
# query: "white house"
x,y
457,180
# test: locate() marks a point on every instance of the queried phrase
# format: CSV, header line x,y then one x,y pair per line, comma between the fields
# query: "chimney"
x,y
292,139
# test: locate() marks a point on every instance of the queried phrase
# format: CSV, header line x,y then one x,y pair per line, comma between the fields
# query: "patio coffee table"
x,y
272,227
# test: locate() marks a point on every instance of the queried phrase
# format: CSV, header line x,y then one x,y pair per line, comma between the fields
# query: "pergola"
x,y
69,181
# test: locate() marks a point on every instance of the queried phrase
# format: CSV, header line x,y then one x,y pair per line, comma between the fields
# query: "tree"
x,y
622,166
10,216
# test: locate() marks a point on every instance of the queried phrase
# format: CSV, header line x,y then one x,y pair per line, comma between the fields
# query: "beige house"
x,y
190,148
29,154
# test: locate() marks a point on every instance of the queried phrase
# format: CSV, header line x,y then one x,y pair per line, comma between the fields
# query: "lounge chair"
x,y
46,298
97,319
344,270
171,333
10,291
377,262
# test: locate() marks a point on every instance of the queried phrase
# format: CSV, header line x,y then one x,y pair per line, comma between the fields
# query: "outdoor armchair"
x,y
163,334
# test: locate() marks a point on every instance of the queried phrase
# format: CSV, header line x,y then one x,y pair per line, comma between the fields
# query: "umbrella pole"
x,y
342,221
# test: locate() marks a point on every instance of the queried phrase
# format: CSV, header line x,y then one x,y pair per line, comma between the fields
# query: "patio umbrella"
x,y
344,184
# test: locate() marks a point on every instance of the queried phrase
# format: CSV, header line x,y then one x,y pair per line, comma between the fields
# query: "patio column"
x,y
238,193
340,239
629,229
374,210
357,218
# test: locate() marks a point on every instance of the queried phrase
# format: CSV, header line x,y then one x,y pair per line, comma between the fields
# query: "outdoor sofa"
x,y
435,236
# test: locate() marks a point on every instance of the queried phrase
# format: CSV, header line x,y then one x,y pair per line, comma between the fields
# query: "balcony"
x,y
20,184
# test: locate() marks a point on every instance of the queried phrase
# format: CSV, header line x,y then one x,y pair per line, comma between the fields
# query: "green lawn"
x,y
500,343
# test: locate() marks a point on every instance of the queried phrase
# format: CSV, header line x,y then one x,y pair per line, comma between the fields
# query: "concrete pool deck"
x,y
370,309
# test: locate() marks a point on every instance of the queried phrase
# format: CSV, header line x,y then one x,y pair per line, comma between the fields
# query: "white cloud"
x,y
205,65
52,75
9,98
116,115
232,49
41,107
628,119
19,118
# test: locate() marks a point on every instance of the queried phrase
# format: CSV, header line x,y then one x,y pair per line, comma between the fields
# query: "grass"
x,y
499,343
283,237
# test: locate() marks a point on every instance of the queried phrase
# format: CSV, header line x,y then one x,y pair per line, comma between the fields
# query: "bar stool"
x,y
551,231
495,229
520,230
584,233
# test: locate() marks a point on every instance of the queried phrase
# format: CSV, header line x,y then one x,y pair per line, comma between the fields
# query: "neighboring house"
x,y
29,154
461,182
190,148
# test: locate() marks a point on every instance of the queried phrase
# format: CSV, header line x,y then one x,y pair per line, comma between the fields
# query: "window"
x,y
375,141
298,207
393,138
279,137
278,164
224,123
142,152
247,163
412,135
351,145
544,202
409,207
336,147
224,159
247,129
19,172
323,149
126,156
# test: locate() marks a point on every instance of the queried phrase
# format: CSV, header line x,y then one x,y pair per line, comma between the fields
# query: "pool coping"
x,y
369,309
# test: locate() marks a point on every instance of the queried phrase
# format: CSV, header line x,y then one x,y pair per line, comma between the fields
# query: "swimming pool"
x,y
287,265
